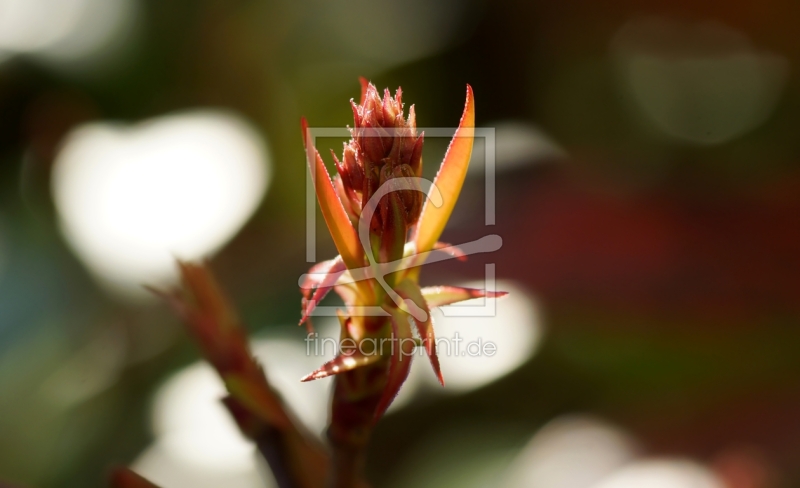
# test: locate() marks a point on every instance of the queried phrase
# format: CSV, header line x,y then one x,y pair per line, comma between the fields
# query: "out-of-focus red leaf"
x,y
125,478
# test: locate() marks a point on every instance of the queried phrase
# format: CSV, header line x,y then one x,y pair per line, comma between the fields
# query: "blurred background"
x,y
647,194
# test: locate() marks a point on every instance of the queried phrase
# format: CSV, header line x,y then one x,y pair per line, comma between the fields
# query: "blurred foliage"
x,y
667,270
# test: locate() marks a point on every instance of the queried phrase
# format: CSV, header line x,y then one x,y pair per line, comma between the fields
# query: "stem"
x,y
348,466
355,399
272,447
295,459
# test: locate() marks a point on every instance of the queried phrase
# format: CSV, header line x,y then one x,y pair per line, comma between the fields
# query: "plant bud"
x,y
384,145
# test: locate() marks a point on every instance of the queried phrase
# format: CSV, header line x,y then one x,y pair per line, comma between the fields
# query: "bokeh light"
x,y
435,25
647,190
193,429
513,325
132,199
700,83
574,451
662,473
191,422
160,464
196,441
286,360
517,145
70,34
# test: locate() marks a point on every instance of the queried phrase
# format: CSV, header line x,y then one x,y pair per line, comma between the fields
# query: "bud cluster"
x,y
384,145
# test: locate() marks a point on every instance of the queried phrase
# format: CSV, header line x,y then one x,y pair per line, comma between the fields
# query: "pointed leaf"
x,y
399,362
449,180
316,274
342,231
438,296
409,289
336,269
450,250
341,363
364,85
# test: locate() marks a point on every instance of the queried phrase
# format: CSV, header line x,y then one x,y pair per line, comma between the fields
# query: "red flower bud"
x,y
355,172
384,145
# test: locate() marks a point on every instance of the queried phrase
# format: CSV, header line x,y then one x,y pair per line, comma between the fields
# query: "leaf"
x,y
409,289
449,180
329,274
209,299
341,230
316,274
453,251
343,362
364,85
211,320
438,296
399,362
450,250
